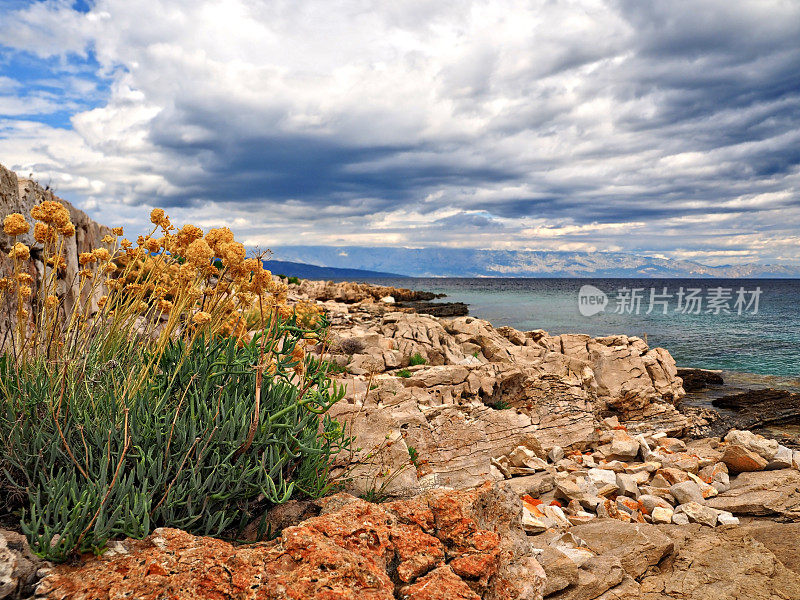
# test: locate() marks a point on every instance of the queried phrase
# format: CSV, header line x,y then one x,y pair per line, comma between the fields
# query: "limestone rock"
x,y
740,459
697,513
18,566
561,571
763,447
624,446
662,514
686,491
762,493
20,195
637,546
445,545
711,565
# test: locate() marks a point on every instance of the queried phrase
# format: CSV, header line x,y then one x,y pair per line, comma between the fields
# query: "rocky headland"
x,y
488,463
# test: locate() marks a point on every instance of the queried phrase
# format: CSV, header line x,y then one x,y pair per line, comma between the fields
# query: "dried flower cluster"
x,y
172,281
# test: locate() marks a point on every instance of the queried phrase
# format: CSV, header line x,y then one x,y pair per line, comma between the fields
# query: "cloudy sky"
x,y
663,128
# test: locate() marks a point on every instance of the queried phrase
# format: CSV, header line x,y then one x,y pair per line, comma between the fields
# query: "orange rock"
x,y
445,545
441,584
740,459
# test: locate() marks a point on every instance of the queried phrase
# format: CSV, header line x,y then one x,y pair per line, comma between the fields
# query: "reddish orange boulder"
x,y
445,545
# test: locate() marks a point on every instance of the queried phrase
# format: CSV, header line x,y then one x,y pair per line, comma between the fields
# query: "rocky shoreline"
x,y
489,463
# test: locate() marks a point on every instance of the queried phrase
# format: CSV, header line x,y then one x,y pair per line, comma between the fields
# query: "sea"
x,y
747,328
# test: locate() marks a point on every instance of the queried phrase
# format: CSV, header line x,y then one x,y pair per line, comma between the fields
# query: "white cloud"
x,y
573,124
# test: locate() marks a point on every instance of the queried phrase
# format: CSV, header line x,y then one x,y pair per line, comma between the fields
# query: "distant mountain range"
x,y
306,271
465,262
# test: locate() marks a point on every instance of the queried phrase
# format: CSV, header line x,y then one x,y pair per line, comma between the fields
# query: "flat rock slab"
x,y
637,545
762,493
711,565
782,539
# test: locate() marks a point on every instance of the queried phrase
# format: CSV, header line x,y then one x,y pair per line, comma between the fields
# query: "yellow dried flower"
x,y
157,216
5,283
109,239
51,212
217,237
261,281
25,278
15,224
187,272
86,258
117,231
67,230
199,253
58,262
126,244
51,302
44,234
110,268
233,254
25,291
164,305
201,317
102,301
101,254
133,288
20,251
187,234
152,245
86,273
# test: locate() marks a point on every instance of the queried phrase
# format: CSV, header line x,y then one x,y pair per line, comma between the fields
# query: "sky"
x,y
667,129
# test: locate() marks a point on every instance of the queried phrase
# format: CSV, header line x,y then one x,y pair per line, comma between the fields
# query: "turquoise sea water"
x,y
766,342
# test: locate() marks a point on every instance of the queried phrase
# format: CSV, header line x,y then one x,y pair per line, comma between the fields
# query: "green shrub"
x,y
329,366
295,280
414,456
190,447
417,359
499,405
405,373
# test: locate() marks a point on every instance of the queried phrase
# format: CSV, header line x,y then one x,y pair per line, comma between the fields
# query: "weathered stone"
x,y
781,460
637,546
662,514
439,584
698,513
19,195
726,518
680,518
556,454
762,493
623,445
580,489
535,485
782,539
627,589
686,491
650,502
18,566
710,564
596,575
753,442
739,459
627,485
353,550
561,570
